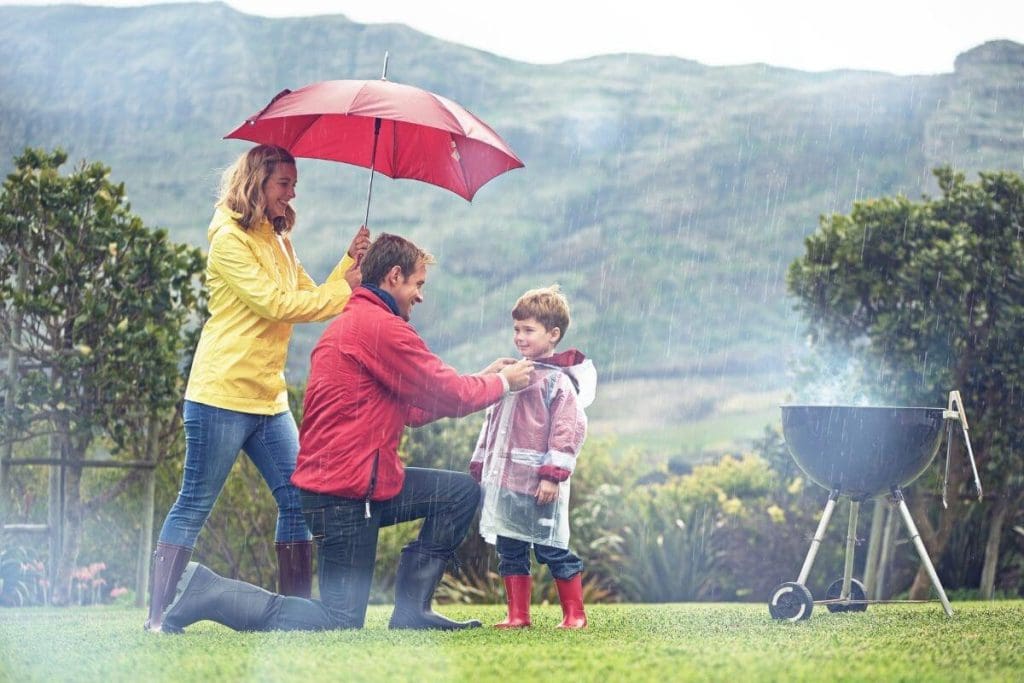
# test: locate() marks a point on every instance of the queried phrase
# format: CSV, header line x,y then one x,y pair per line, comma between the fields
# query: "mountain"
x,y
665,196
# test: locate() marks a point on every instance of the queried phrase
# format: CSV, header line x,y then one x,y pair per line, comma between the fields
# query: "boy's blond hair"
x,y
546,305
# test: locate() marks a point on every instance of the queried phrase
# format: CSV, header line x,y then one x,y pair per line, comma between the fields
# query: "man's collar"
x,y
383,296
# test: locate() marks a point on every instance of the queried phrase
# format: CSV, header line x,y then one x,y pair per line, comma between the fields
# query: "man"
x,y
371,375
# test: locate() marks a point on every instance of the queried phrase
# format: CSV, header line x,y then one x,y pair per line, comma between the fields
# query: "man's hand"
x,y
547,492
497,365
360,243
518,374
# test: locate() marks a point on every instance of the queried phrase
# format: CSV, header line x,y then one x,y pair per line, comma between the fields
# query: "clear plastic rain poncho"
x,y
531,434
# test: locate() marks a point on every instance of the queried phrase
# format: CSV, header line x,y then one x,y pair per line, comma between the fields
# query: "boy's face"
x,y
534,340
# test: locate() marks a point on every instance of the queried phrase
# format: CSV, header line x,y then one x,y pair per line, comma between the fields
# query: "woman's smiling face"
x,y
279,189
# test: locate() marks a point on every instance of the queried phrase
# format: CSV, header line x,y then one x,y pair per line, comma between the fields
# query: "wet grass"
x,y
625,642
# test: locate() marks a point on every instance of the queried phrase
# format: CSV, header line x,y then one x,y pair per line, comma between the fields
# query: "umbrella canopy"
x,y
399,130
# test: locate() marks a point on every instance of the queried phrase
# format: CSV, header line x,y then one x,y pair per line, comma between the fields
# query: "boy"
x,y
525,455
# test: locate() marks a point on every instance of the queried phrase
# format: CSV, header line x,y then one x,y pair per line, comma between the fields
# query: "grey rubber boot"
x,y
203,595
417,578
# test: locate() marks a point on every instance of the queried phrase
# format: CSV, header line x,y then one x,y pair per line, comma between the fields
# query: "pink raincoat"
x,y
533,434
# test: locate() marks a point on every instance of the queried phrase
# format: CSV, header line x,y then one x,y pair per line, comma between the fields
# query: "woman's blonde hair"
x,y
241,186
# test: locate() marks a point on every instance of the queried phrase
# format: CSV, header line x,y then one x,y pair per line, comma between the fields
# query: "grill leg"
x,y
897,495
851,542
819,535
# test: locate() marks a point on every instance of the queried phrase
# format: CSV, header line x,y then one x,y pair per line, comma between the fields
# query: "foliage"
x,y
96,307
100,302
22,578
929,296
678,642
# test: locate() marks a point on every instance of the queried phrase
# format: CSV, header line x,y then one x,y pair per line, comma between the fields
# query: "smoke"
x,y
825,377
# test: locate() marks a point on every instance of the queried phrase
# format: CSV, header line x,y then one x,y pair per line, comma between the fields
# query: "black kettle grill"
x,y
860,453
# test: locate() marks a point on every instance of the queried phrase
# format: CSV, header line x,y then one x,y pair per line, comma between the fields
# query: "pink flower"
x,y
118,592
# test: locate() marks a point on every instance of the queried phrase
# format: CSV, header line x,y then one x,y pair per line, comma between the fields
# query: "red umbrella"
x,y
399,130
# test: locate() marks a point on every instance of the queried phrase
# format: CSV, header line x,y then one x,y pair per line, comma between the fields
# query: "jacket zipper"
x,y
373,483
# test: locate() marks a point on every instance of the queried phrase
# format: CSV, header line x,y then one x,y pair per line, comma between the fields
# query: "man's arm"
x,y
400,360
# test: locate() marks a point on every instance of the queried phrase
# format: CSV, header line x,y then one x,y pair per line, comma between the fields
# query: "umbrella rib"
x,y
303,132
462,173
440,101
394,146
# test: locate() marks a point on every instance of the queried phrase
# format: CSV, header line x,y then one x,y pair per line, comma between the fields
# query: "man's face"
x,y
409,292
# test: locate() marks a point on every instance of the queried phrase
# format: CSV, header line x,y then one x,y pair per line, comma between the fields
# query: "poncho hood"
x,y
580,370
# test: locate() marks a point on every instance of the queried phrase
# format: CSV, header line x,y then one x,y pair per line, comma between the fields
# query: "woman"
x,y
236,397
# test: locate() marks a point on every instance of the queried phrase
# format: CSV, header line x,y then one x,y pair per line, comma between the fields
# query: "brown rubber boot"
x,y
295,568
169,562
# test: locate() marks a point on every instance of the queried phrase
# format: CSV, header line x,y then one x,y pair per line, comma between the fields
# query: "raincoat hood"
x,y
580,370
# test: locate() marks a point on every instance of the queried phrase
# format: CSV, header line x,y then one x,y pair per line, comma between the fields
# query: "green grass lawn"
x,y
735,642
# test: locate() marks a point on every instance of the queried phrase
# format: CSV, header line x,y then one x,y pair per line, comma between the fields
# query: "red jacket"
x,y
371,374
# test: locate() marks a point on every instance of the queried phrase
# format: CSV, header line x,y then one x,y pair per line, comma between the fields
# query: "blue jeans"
x,y
213,438
514,559
347,545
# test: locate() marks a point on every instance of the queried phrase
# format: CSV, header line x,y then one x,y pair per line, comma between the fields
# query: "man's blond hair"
x,y
546,305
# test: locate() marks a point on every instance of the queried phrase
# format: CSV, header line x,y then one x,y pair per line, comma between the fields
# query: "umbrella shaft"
x,y
373,162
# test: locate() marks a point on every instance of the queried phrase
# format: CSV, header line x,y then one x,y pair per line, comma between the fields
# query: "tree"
x,y
94,318
929,296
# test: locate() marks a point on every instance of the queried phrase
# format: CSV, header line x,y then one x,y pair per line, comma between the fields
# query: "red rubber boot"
x,y
518,590
570,594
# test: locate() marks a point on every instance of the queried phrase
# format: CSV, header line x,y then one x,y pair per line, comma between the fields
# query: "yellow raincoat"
x,y
257,289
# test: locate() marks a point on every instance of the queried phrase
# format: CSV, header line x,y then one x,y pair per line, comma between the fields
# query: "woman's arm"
x,y
233,260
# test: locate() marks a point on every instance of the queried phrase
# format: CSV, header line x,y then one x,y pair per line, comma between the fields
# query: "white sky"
x,y
897,36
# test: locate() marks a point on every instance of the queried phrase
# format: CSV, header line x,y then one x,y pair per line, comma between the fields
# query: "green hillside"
x,y
667,197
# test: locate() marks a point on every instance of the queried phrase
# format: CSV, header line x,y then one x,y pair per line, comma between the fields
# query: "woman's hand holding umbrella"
x,y
356,250
360,243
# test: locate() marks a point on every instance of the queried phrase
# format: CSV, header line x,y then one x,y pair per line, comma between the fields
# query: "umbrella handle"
x,y
373,161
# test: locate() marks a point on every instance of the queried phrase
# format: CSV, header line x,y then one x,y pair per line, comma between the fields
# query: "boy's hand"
x,y
547,492
518,374
497,365
360,243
